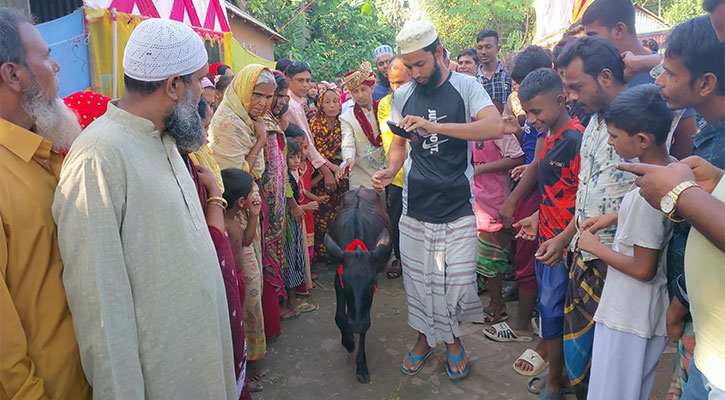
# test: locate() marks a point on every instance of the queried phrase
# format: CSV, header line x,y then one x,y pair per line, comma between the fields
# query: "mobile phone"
x,y
398,130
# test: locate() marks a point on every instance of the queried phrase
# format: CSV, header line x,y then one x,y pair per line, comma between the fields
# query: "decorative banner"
x,y
69,47
553,17
207,14
579,7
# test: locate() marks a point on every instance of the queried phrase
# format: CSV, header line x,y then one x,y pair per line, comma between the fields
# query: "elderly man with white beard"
x,y
39,354
141,273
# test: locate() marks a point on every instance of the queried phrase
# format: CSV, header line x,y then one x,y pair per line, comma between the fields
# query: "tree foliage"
x,y
459,21
334,36
682,10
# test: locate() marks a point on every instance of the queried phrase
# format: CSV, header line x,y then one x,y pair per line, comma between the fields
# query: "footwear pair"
x,y
451,358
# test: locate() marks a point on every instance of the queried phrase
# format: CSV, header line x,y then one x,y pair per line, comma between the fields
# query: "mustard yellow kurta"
x,y
38,350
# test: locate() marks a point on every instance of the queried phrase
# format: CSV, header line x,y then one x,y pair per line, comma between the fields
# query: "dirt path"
x,y
308,361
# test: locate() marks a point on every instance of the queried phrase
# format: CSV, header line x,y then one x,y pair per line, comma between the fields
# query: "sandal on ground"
x,y
532,357
493,318
306,307
537,390
395,271
455,360
504,333
547,394
289,316
414,360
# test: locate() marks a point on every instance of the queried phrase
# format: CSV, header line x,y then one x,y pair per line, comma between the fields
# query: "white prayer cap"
x,y
416,35
159,48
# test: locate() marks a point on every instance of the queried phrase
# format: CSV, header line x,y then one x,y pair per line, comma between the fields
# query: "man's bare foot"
x,y
540,348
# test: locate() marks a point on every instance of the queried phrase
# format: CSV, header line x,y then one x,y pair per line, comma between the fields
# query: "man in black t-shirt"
x,y
438,241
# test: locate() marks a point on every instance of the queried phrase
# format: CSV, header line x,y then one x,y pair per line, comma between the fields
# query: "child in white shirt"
x,y
630,333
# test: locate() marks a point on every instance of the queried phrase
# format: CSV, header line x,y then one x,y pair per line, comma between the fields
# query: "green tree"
x,y
334,36
682,10
459,21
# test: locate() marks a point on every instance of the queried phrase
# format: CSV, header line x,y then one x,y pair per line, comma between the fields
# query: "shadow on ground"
x,y
308,362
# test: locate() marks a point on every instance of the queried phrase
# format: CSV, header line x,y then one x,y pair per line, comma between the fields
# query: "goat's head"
x,y
357,275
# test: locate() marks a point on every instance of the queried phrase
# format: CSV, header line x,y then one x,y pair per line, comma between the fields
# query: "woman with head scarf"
x,y
238,138
273,186
325,127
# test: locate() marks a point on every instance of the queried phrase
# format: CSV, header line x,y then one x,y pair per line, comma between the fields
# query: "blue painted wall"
x,y
68,47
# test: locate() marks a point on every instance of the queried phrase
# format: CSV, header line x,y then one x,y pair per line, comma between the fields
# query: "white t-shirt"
x,y
627,304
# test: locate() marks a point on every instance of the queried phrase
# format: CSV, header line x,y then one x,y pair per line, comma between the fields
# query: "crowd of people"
x,y
151,245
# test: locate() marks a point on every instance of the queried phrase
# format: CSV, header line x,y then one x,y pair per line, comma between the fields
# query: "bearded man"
x,y
40,356
382,54
141,273
362,145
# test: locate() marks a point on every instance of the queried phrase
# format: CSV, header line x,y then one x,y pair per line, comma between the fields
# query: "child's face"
x,y
544,110
626,146
294,161
304,144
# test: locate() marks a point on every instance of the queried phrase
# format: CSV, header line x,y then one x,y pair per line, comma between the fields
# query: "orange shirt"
x,y
38,350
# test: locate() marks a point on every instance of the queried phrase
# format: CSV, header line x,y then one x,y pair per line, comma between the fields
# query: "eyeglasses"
x,y
301,64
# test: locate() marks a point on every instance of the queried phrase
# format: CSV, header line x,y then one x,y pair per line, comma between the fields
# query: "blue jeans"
x,y
699,388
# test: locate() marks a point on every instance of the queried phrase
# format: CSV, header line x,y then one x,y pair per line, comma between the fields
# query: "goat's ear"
x,y
333,249
382,249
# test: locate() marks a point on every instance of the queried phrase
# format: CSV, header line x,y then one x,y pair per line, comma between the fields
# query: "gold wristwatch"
x,y
668,204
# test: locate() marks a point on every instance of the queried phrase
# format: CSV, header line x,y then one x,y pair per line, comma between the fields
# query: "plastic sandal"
x,y
414,360
455,360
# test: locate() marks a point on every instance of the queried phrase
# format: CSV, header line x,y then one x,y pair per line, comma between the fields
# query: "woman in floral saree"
x,y
325,127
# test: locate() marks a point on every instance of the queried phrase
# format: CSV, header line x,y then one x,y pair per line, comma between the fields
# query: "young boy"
x,y
542,96
630,332
492,160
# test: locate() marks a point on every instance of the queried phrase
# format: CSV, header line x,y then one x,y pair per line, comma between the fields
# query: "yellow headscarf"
x,y
238,96
231,134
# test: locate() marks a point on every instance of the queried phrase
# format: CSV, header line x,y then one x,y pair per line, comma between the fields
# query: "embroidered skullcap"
x,y
416,35
206,83
87,106
384,49
364,75
159,48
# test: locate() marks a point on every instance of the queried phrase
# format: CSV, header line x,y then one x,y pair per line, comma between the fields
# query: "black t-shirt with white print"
x,y
439,169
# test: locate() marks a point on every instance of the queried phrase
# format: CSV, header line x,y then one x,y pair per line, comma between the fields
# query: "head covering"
x,y
384,49
214,69
206,83
238,96
416,35
87,106
159,48
362,76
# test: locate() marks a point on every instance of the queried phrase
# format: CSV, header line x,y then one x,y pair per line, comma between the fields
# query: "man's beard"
x,y
184,124
53,120
435,78
383,80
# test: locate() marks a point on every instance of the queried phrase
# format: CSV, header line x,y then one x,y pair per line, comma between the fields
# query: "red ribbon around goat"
x,y
354,245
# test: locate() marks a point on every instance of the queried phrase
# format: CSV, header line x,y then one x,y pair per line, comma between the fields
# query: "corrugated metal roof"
x,y
646,21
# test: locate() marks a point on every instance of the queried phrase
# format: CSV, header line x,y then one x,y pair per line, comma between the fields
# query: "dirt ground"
x,y
308,362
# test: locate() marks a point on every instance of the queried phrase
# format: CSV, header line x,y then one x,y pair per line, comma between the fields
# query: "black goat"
x,y
363,228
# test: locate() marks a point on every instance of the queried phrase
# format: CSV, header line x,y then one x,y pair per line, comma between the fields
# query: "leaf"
x,y
366,9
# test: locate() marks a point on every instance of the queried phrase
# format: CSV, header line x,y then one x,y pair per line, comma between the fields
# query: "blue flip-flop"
x,y
414,360
456,360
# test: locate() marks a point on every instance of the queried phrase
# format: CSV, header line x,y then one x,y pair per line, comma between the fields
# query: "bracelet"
x,y
218,200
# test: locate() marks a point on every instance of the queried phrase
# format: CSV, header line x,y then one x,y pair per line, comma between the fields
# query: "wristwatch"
x,y
668,204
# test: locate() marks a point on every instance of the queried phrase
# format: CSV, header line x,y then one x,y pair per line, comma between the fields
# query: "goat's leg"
x,y
341,319
362,365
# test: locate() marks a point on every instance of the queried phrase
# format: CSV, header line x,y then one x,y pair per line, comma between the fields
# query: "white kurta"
x,y
355,145
141,273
